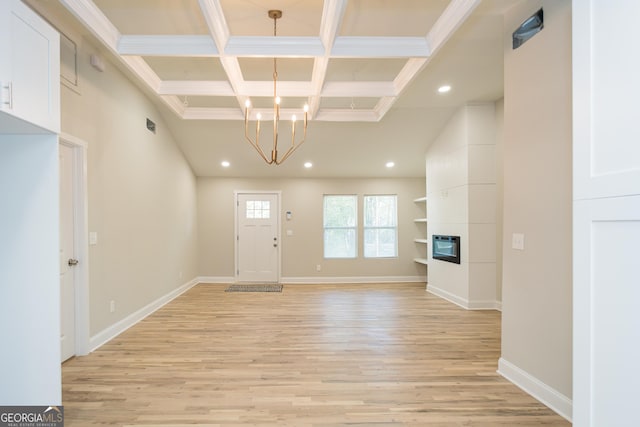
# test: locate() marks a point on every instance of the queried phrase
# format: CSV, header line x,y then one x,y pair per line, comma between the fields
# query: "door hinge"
x,y
238,237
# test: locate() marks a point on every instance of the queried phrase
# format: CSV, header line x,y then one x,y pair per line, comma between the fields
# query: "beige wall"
x,y
302,251
142,194
536,287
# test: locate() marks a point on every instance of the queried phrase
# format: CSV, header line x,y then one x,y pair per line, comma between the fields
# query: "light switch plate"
x,y
93,238
517,241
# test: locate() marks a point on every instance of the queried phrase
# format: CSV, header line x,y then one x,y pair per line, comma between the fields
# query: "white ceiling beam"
x,y
410,70
332,15
384,105
204,113
346,115
218,28
195,87
174,103
139,66
265,88
270,46
453,16
163,45
359,89
318,77
381,47
93,19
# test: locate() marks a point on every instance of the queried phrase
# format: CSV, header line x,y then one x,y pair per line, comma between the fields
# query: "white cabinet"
x,y
29,70
421,239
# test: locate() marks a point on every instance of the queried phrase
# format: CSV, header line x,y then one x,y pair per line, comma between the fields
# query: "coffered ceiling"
x,y
348,59
369,70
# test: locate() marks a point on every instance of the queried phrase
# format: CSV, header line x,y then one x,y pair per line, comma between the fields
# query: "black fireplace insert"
x,y
446,248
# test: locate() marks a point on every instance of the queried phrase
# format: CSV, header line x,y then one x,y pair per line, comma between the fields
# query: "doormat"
x,y
254,288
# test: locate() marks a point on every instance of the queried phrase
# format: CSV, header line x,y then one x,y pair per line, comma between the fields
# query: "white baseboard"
x,y
536,388
361,279
116,329
462,302
216,279
324,280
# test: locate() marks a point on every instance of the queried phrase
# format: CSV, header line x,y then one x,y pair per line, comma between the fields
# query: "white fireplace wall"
x,y
461,200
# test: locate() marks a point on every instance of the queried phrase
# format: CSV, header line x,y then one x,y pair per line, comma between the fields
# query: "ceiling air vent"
x,y
529,28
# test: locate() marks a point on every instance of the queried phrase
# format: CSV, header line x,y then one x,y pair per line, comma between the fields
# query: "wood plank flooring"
x,y
311,356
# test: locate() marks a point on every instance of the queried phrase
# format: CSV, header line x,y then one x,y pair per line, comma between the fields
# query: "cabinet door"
x,y
30,68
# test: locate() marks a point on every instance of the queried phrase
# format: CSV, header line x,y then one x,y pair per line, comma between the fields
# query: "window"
x,y
340,226
258,209
380,226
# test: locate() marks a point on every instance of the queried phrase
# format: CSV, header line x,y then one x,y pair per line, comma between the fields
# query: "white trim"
x,y
281,46
167,45
354,279
81,241
215,280
555,400
116,329
462,302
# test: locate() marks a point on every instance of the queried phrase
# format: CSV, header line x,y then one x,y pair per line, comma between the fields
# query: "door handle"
x,y
72,262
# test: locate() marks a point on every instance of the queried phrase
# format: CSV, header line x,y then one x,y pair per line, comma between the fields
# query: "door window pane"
x,y
258,209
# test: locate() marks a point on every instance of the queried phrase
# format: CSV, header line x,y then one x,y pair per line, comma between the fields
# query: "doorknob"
x,y
72,262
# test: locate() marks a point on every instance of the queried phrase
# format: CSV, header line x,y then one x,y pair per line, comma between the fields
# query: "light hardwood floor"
x,y
313,355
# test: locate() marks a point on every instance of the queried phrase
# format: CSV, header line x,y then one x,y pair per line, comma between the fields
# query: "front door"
x,y
67,254
258,252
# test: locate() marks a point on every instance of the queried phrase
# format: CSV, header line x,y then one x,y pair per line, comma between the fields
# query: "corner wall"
x,y
536,285
461,201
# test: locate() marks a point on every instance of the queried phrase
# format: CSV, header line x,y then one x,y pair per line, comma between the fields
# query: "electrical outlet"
x,y
318,267
112,306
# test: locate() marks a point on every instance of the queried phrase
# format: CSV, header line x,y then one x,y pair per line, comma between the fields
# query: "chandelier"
x,y
255,143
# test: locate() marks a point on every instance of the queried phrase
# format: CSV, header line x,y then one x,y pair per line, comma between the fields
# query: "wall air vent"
x,y
529,28
151,126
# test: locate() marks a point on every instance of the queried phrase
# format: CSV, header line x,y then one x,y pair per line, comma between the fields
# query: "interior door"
x,y
67,252
258,237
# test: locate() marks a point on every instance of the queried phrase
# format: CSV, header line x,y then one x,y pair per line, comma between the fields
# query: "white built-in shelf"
x,y
421,260
425,241
420,220
420,199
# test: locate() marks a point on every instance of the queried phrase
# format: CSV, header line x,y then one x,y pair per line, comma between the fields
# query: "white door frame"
x,y
81,241
236,195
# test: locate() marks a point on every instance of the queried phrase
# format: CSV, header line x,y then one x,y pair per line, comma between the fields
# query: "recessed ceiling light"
x,y
308,165
444,89
225,164
390,164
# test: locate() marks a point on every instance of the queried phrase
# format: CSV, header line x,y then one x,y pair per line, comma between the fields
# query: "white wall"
x,y
461,201
536,281
304,250
29,271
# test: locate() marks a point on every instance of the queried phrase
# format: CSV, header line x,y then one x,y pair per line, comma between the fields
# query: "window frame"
x,y
325,228
366,227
